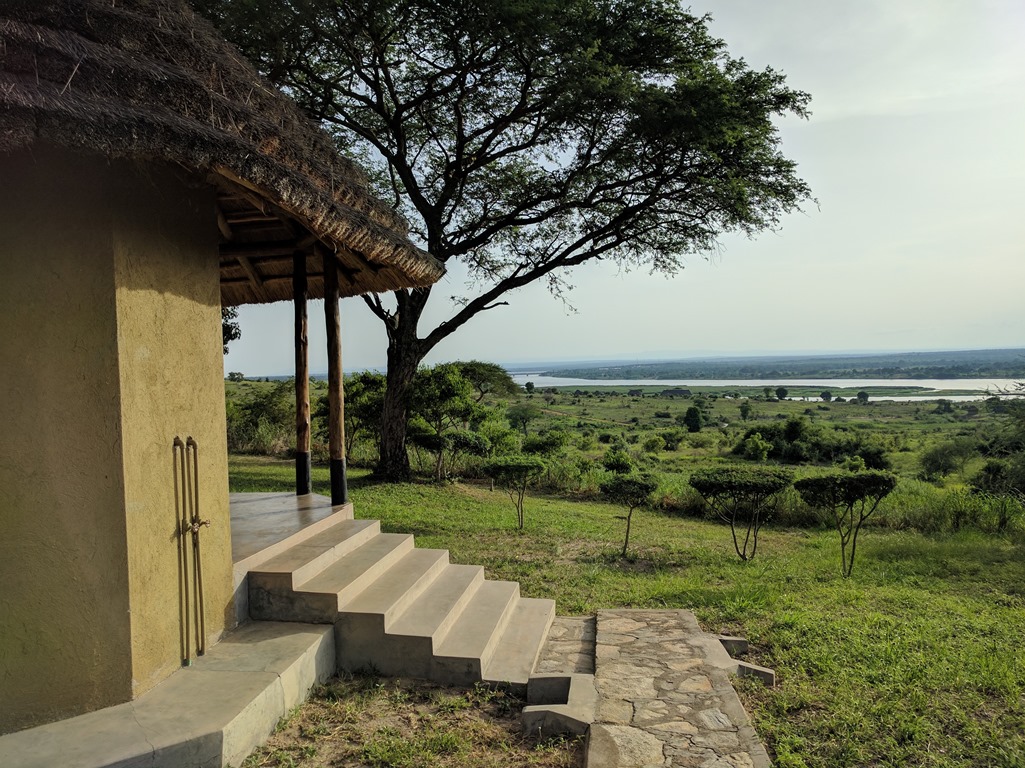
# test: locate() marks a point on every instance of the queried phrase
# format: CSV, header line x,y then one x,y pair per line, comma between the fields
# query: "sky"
x,y
915,153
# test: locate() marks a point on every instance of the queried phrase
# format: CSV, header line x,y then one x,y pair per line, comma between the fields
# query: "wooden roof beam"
x,y
254,278
222,224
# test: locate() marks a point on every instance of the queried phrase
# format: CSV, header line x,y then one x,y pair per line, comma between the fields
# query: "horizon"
x,y
528,366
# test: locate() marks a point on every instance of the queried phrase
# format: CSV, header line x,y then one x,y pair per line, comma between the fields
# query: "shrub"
x,y
849,498
514,473
617,460
654,444
741,495
632,491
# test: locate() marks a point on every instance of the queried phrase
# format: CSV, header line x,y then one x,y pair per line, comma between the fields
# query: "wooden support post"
x,y
335,396
303,474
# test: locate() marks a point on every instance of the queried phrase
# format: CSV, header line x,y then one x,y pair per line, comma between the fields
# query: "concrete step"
x,y
467,649
409,645
520,645
402,611
387,598
283,572
317,598
348,576
560,704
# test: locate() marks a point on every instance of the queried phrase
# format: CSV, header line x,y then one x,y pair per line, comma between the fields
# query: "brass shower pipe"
x,y
186,455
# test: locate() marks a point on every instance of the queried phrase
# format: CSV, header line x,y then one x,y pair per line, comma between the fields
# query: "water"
x,y
933,388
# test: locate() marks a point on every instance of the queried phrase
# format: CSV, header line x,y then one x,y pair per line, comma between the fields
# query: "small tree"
x,y
692,419
521,414
862,397
745,410
236,376
782,392
487,378
632,491
756,448
654,444
514,474
827,395
529,387
850,497
617,460
741,496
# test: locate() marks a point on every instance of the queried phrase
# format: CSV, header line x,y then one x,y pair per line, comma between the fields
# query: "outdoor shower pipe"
x,y
197,562
180,451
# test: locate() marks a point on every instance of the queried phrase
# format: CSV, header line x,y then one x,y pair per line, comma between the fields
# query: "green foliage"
x,y
236,376
547,443
826,395
862,397
489,379
230,329
746,410
1002,476
264,421
849,498
901,660
781,393
672,438
632,491
617,460
796,441
514,473
693,419
755,448
364,397
445,401
740,495
522,414
654,444
946,457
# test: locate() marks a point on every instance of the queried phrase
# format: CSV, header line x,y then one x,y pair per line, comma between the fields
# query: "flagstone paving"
x,y
665,698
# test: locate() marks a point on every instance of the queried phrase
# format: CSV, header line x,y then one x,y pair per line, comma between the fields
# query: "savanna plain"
x,y
915,660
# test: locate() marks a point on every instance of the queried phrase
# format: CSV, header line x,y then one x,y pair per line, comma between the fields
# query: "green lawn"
x,y
915,661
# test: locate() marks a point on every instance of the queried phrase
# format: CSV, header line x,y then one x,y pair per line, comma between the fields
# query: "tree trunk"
x,y
405,353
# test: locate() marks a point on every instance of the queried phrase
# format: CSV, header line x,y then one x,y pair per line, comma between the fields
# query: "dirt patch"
x,y
368,722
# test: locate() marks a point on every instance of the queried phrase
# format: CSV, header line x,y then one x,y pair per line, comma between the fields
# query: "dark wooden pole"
x,y
335,396
303,478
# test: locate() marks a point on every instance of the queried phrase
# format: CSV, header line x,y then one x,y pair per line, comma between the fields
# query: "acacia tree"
x,y
514,473
849,497
522,139
631,491
741,496
443,402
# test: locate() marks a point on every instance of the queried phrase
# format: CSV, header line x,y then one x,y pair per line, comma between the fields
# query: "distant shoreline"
x,y
952,365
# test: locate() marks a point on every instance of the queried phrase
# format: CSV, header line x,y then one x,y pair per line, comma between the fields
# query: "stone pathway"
x,y
663,701
570,646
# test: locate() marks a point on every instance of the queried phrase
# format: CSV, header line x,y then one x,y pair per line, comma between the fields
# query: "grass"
x,y
364,721
915,661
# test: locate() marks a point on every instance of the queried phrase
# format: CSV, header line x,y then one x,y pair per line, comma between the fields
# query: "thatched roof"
x,y
149,80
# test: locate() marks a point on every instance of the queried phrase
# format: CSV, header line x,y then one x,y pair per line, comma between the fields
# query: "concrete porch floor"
x,y
261,520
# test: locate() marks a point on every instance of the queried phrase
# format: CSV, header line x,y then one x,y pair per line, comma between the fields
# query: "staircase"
x,y
403,611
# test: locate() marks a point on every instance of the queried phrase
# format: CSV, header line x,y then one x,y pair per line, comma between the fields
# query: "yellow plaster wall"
x,y
172,383
109,292
64,620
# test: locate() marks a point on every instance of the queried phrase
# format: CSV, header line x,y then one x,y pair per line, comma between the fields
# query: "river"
x,y
934,387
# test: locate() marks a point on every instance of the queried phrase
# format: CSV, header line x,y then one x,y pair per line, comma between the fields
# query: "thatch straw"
x,y
150,80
